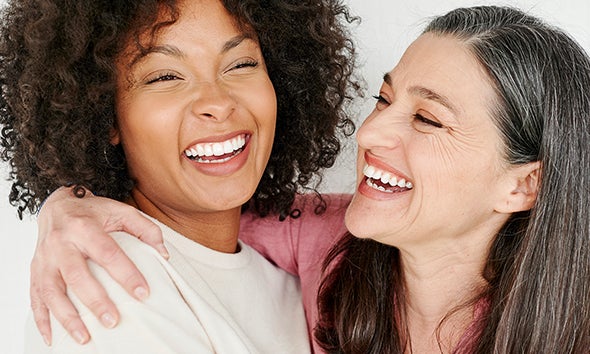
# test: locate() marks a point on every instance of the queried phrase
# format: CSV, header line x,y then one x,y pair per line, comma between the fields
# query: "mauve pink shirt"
x,y
299,246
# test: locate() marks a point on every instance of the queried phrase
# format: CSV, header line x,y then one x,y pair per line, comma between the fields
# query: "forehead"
x,y
198,18
444,65
205,25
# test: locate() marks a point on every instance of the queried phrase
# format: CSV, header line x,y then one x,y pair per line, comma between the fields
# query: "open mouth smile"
x,y
217,152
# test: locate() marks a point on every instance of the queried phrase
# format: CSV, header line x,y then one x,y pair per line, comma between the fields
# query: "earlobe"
x,y
115,136
523,188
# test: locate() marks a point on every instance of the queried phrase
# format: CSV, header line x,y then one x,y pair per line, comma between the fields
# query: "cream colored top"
x,y
201,301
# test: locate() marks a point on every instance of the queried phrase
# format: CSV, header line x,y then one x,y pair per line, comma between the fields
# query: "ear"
x,y
522,187
115,136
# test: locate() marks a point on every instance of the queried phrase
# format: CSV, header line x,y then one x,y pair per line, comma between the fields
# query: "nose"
x,y
381,130
212,101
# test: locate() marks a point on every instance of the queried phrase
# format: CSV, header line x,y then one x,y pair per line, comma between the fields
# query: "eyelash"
x,y
424,120
380,99
163,77
246,63
419,117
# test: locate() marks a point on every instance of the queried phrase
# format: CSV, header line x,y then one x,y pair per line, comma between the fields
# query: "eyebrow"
x,y
234,42
426,94
176,52
387,79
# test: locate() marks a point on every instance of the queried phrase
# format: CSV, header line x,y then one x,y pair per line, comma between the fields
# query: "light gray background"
x,y
386,30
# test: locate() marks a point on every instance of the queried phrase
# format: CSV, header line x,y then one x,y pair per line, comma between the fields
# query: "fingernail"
x,y
108,320
140,293
81,338
46,340
163,251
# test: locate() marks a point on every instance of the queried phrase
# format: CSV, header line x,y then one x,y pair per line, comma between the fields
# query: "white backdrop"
x,y
386,29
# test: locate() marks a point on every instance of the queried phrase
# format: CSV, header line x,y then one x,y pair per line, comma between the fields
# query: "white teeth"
x,y
208,150
227,147
374,173
216,149
380,188
377,174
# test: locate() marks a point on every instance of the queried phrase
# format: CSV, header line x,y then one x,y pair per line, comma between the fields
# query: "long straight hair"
x,y
538,268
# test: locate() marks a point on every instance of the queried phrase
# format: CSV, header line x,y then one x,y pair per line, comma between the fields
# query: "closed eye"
x,y
380,99
164,77
244,64
382,102
425,120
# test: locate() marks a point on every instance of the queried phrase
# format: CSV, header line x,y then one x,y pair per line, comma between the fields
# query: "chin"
x,y
358,225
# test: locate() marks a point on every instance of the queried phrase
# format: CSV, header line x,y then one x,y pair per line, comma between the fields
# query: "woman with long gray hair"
x,y
470,226
489,251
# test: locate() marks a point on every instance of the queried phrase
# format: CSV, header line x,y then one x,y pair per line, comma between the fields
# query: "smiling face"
x,y
196,113
430,167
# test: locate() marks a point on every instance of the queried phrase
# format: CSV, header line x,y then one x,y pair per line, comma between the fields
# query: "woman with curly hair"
x,y
173,108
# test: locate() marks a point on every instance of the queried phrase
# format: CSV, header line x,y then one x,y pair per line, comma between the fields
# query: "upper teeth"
x,y
218,148
386,177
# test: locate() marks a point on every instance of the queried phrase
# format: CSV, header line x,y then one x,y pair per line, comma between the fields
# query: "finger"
x,y
130,220
63,310
106,252
89,291
40,311
41,316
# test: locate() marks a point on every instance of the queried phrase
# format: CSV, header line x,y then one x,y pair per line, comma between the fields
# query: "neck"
x,y
438,288
217,230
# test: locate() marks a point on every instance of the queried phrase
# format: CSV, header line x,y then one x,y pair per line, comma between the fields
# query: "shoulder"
x,y
147,260
166,321
151,265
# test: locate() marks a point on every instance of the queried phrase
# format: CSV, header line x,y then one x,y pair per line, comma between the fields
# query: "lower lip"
x,y
224,168
375,194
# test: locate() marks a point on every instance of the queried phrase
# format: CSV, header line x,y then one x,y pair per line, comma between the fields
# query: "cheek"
x,y
264,98
260,100
147,137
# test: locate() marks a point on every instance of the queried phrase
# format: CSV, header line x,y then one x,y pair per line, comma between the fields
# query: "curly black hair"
x,y
57,79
